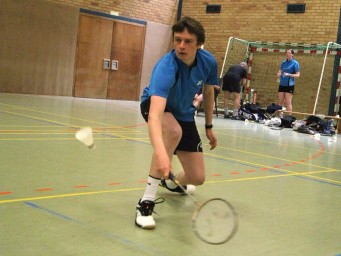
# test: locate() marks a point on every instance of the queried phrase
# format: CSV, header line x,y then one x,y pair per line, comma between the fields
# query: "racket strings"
x,y
215,221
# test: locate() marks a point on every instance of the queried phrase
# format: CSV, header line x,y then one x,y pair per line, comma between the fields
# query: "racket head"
x,y
215,221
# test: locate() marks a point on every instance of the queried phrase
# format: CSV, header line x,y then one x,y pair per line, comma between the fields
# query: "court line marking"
x,y
254,164
284,145
53,114
68,195
142,188
135,139
291,172
125,137
109,234
66,124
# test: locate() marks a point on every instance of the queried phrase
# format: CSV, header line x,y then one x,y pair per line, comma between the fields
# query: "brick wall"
x,y
267,20
261,20
161,11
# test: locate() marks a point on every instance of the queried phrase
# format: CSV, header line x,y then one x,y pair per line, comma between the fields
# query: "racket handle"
x,y
171,176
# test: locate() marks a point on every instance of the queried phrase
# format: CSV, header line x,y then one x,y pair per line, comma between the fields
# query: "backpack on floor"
x,y
272,108
287,121
306,129
297,124
244,113
253,108
320,126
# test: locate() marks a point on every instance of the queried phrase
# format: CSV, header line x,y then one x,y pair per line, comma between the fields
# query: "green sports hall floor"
x,y
57,197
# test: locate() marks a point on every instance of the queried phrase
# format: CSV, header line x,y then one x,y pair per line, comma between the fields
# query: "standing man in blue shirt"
x,y
166,104
289,70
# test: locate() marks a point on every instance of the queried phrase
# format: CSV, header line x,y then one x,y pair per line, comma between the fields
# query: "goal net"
x,y
317,88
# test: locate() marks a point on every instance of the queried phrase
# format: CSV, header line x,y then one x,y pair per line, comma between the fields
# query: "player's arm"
x,y
279,73
296,75
156,111
243,81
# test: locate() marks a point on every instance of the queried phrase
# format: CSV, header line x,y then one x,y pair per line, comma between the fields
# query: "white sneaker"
x,y
190,188
144,211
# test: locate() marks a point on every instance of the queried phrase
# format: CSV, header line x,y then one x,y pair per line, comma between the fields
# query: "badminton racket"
x,y
214,221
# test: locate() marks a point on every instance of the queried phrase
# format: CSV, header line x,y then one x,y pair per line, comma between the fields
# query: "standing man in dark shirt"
x,y
233,81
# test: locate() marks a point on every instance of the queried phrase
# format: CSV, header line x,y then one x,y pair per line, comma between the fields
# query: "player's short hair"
x,y
193,27
244,64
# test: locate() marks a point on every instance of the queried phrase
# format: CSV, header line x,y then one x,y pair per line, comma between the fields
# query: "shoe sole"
x,y
148,227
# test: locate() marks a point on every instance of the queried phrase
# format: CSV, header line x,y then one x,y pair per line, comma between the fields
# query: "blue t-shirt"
x,y
291,67
173,80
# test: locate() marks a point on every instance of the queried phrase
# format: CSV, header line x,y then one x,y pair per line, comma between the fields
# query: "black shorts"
x,y
190,140
231,84
287,89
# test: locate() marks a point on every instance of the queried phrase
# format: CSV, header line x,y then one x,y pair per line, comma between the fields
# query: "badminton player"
x,y
166,104
289,70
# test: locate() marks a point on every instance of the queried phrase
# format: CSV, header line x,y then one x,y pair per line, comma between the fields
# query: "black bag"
x,y
287,121
316,123
244,113
272,108
306,129
253,108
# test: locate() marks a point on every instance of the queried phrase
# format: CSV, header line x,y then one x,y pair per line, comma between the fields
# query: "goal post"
x,y
335,49
314,88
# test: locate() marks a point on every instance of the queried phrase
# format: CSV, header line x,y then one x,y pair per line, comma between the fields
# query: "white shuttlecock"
x,y
84,135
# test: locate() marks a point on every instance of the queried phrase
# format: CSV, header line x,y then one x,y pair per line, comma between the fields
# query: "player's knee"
x,y
199,180
174,133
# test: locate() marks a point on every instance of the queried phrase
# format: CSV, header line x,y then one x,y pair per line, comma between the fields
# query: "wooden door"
x,y
93,46
127,49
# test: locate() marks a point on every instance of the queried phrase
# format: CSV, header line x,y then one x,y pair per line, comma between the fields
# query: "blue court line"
x,y
61,216
107,234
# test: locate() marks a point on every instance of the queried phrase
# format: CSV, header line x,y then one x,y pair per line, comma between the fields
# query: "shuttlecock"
x,y
84,135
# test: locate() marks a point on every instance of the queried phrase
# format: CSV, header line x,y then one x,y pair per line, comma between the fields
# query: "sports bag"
x,y
253,108
272,108
287,121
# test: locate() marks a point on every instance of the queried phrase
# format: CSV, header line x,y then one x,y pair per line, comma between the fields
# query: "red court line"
x,y
2,193
43,189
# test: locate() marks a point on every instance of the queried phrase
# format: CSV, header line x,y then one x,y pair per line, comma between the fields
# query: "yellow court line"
x,y
135,189
42,119
261,165
271,142
65,124
65,133
52,139
308,174
67,195
53,114
289,172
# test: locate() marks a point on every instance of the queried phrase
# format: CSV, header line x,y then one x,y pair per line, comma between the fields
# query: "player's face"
x,y
289,54
186,46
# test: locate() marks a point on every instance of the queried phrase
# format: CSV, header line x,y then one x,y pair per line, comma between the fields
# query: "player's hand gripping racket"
x,y
215,221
